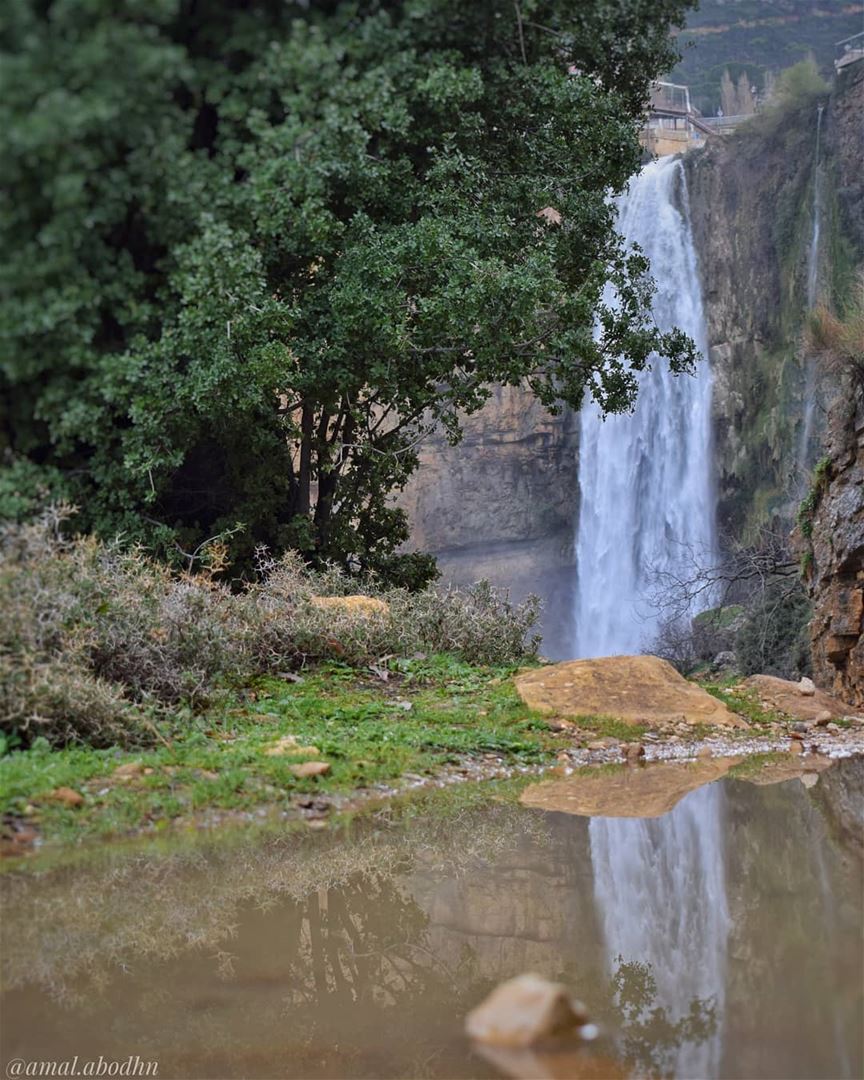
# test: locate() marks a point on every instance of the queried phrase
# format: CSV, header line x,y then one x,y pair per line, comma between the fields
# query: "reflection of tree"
x,y
650,1037
360,969
363,941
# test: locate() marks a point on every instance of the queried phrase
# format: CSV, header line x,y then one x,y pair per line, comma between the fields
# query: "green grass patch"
x,y
612,727
426,715
744,702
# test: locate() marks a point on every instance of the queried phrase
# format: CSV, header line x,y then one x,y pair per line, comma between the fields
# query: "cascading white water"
x,y
647,507
809,415
660,890
646,498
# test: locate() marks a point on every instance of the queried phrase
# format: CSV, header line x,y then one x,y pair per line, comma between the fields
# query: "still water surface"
x,y
722,938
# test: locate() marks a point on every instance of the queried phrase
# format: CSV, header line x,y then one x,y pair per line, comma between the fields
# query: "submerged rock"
x,y
635,689
523,1011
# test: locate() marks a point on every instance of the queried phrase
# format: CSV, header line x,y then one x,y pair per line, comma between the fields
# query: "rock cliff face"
x,y
502,503
751,204
836,557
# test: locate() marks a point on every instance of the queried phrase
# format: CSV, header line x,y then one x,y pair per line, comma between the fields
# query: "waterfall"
x,y
804,456
646,498
647,505
660,890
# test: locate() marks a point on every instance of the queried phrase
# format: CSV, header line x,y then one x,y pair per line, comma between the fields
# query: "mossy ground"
x,y
426,715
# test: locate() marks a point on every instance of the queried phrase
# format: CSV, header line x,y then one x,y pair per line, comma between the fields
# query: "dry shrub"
x,y
65,703
479,624
97,637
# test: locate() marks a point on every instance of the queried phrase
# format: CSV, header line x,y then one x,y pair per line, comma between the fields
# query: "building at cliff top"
x,y
669,124
849,51
673,125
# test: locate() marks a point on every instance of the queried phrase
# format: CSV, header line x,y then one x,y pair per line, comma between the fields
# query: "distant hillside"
x,y
758,36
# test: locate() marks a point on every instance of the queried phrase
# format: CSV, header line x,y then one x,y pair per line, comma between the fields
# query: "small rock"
x,y
523,1011
833,729
800,728
131,768
806,687
66,796
561,725
286,745
823,718
796,735
310,768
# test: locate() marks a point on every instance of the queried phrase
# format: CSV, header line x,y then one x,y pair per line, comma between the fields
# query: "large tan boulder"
x,y
646,792
800,700
636,689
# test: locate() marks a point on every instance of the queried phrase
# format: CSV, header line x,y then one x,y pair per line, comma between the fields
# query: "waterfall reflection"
x,y
660,890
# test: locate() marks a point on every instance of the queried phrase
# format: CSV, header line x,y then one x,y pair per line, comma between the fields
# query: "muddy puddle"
x,y
718,935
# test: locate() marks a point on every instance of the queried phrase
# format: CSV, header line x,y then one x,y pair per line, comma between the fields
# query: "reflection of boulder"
x,y
779,770
646,791
840,793
637,689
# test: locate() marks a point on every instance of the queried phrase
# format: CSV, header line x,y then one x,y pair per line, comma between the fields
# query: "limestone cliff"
x,y
835,555
502,503
751,202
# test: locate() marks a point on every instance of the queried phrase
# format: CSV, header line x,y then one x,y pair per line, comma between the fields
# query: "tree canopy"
x,y
253,247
